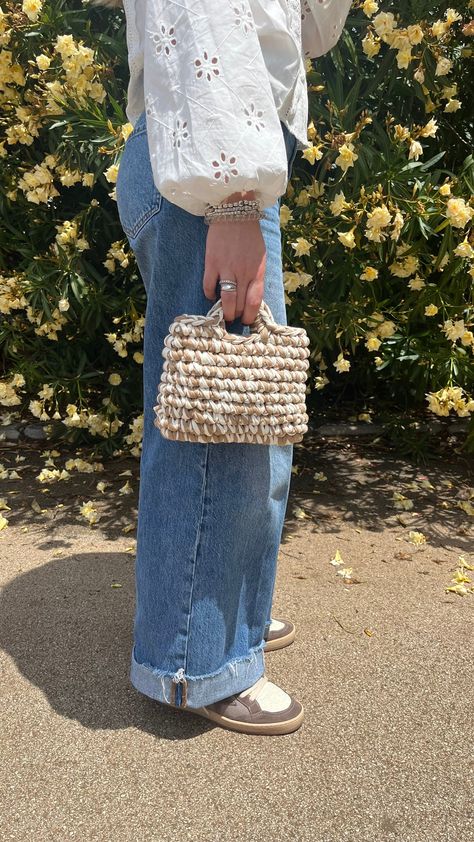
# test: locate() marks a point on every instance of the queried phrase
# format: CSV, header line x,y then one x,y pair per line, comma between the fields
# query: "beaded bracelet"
x,y
242,210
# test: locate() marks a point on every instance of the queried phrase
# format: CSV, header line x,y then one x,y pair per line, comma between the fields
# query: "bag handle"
x,y
261,326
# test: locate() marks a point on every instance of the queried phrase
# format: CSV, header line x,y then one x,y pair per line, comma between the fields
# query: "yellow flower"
x,y
452,105
459,589
346,156
445,189
439,28
454,330
70,177
371,45
452,16
126,130
464,249
43,61
138,357
302,199
115,379
312,154
419,74
89,511
316,189
404,57
312,132
373,343
401,132
65,46
443,67
415,34
285,215
301,246
430,129
398,223
416,150
111,173
293,280
370,7
320,382
338,204
416,537
405,267
379,218
369,274
431,310
384,24
347,238
32,9
458,212
341,365
386,328
416,283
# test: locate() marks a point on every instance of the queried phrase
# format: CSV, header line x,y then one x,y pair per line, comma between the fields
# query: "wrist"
x,y
236,197
233,208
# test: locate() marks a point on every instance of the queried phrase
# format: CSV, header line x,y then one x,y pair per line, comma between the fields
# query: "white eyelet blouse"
x,y
215,78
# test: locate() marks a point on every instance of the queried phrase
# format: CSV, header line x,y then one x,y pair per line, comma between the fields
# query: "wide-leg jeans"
x,y
210,516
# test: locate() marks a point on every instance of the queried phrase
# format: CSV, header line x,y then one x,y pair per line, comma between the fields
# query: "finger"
x,y
209,283
241,294
253,300
229,301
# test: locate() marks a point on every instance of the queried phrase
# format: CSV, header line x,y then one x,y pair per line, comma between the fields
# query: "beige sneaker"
x,y
280,634
261,709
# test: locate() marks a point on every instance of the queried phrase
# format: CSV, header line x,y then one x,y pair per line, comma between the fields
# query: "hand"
x,y
235,250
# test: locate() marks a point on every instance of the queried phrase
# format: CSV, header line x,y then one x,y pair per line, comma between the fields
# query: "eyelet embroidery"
x,y
180,132
206,66
224,168
254,116
164,40
305,10
243,17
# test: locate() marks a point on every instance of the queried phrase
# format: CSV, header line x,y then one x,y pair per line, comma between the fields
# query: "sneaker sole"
x,y
280,642
272,729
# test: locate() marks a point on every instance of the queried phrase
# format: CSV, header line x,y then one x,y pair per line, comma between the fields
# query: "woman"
x,y
218,101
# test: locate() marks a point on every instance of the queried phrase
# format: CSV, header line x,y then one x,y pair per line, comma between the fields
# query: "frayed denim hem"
x,y
197,691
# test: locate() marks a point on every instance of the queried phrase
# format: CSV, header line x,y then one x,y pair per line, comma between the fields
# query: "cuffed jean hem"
x,y
200,690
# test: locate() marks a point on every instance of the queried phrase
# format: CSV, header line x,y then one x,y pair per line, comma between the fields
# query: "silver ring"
x,y
228,286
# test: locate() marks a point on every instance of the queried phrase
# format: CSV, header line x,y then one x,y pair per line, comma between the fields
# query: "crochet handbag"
x,y
224,387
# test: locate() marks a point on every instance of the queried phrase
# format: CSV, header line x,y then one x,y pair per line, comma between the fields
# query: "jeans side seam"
x,y
196,548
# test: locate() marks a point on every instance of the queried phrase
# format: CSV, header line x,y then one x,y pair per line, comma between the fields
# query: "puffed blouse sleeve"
x,y
213,127
322,25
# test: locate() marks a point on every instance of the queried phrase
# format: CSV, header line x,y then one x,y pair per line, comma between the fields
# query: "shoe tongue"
x,y
253,691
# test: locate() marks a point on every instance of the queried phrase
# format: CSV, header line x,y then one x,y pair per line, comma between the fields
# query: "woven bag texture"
x,y
224,387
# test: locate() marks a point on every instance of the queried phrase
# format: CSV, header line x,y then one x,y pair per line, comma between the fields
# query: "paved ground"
x,y
382,662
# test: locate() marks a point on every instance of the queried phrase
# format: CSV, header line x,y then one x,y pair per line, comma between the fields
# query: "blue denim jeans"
x,y
210,516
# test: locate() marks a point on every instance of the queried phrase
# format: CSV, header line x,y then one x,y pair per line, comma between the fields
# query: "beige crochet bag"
x,y
226,387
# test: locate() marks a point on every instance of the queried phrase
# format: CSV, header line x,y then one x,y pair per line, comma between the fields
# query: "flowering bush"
x,y
376,224
379,247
